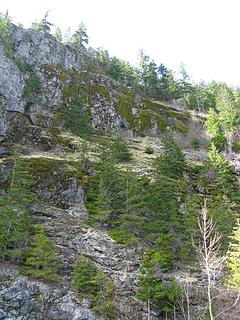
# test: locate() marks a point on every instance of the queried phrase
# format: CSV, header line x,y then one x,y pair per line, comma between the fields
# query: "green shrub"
x,y
149,150
195,143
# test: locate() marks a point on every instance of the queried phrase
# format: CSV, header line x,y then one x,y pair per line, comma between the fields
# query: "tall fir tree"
x,y
41,261
172,162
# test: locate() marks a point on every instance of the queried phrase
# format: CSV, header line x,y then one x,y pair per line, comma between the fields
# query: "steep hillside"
x,y
84,156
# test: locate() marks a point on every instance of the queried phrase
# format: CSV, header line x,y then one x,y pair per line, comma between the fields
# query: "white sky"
x,y
203,34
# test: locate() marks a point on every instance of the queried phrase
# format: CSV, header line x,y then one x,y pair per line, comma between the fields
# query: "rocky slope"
x,y
38,83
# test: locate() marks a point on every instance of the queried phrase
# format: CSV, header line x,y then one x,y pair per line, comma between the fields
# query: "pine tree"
x,y
233,258
41,259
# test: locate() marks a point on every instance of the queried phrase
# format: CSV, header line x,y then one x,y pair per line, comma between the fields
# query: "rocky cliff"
x,y
39,81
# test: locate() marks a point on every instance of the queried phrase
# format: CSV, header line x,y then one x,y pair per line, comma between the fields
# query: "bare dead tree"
x,y
208,249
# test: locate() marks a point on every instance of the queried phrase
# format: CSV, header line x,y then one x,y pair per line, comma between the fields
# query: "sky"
x,y
202,34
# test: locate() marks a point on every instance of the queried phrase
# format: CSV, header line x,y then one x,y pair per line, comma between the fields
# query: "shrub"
x,y
149,150
195,143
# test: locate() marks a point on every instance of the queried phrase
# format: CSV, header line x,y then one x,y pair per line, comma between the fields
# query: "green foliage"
x,y
120,150
233,258
58,34
16,220
222,123
43,25
163,295
93,284
33,87
195,143
77,118
6,32
24,66
80,36
84,278
201,97
181,127
115,199
2,100
172,162
41,261
149,150
236,146
223,169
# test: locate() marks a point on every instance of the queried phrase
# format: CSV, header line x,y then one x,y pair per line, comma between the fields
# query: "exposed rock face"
x,y
24,299
11,88
37,50
73,238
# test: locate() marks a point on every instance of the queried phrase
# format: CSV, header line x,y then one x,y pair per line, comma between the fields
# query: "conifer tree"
x,y
41,259
15,217
93,284
172,162
80,36
6,32
84,278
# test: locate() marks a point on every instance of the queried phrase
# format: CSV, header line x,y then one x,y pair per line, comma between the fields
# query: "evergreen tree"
x,y
84,278
58,34
132,204
44,25
120,150
93,284
6,32
233,258
41,259
163,295
214,127
15,217
148,75
172,162
228,113
80,36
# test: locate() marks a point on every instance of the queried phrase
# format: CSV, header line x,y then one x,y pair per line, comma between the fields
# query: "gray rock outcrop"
x,y
23,299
